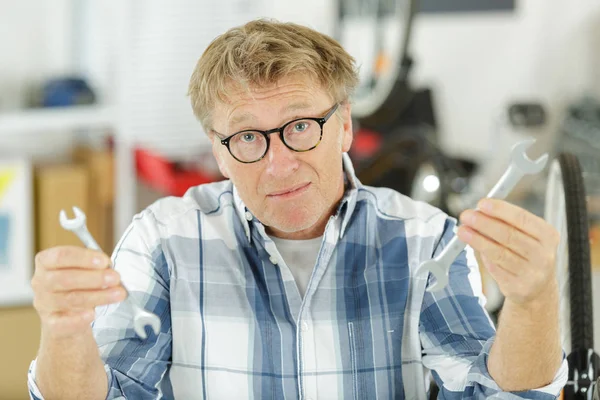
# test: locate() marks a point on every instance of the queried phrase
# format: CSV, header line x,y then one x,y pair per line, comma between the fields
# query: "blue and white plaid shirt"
x,y
234,325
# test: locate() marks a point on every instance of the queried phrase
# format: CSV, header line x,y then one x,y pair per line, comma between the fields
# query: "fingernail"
x,y
486,205
110,279
97,261
116,294
468,217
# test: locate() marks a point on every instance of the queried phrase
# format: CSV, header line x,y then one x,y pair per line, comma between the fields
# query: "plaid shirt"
x,y
234,325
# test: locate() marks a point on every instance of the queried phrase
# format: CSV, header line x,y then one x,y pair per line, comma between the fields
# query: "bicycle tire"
x,y
389,94
579,267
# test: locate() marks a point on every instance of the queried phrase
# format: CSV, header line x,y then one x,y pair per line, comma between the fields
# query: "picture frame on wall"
x,y
16,232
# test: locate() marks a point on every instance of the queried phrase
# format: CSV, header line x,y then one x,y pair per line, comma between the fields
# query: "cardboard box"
x,y
59,187
100,167
100,164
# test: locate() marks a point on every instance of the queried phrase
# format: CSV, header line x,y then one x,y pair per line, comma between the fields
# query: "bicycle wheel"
x,y
565,209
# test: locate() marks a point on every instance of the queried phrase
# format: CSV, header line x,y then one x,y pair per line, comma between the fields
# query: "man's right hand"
x,y
69,282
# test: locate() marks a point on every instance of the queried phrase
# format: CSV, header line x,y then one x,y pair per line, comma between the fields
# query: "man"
x,y
291,279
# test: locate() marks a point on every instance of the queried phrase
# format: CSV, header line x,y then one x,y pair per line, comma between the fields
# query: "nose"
x,y
281,161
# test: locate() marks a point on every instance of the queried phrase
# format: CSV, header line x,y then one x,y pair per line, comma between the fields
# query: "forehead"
x,y
266,104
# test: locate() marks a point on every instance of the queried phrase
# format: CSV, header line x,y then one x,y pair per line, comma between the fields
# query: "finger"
x,y
500,275
503,233
523,220
71,256
79,299
493,251
70,279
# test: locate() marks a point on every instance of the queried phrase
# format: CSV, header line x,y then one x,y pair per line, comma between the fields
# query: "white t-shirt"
x,y
300,256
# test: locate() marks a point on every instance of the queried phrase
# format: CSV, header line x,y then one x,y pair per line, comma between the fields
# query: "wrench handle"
x,y
506,183
87,239
454,247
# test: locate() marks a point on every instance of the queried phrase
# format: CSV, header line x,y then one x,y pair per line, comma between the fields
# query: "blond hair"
x,y
262,52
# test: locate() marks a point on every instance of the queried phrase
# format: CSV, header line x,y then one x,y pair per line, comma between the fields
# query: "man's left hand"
x,y
517,247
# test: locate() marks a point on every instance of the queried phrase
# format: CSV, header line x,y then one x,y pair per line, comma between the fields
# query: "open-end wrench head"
x,y
140,331
523,162
73,223
439,285
439,271
141,321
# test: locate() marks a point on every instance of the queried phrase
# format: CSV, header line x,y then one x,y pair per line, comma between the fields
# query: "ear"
x,y
217,149
347,133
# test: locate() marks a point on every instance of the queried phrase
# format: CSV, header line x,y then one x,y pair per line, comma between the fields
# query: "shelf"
x,y
18,300
53,119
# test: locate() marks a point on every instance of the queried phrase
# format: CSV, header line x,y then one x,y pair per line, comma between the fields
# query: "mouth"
x,y
290,192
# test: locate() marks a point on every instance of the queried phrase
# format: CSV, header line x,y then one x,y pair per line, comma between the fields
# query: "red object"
x,y
366,143
163,175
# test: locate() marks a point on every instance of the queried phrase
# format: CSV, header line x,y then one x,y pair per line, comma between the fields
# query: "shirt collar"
x,y
243,213
352,185
345,207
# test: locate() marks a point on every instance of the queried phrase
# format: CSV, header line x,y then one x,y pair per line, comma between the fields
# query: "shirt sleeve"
x,y
457,334
136,368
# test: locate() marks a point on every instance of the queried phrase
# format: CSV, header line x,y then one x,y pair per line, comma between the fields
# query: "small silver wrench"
x,y
519,166
141,317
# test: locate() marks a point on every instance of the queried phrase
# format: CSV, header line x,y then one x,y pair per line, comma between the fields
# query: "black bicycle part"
x,y
580,272
584,363
584,369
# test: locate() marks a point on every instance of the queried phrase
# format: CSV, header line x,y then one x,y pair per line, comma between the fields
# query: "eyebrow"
x,y
241,118
298,106
301,105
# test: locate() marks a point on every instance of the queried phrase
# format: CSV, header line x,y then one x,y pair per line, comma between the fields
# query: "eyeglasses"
x,y
299,135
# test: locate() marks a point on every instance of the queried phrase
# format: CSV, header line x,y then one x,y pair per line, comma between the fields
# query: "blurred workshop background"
x,y
94,113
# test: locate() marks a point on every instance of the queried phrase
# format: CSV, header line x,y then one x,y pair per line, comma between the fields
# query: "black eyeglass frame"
x,y
320,120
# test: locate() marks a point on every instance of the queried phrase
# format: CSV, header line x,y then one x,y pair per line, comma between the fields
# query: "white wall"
x,y
477,63
546,51
34,43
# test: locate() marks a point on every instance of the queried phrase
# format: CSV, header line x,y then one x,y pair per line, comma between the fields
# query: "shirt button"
x,y
273,260
304,326
249,216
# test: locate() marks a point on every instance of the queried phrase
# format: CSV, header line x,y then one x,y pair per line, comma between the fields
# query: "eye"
x,y
301,126
248,137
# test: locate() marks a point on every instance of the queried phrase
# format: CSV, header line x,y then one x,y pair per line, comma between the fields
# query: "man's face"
x,y
291,193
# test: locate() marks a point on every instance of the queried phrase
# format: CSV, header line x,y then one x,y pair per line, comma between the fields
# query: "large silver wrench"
x,y
141,317
520,165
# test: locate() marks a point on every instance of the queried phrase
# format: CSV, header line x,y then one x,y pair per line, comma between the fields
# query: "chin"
x,y
300,220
